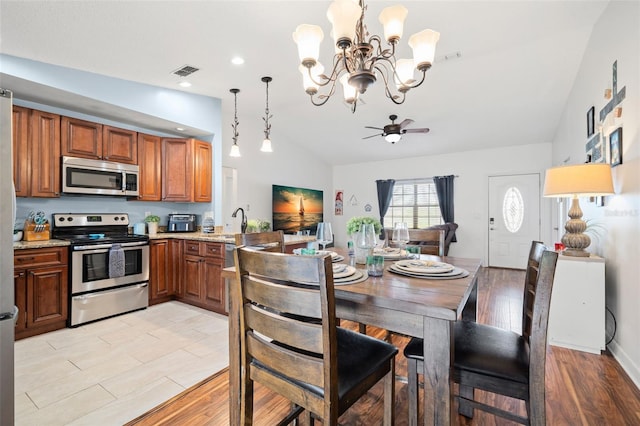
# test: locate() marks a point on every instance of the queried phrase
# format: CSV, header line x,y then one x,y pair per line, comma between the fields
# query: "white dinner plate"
x,y
452,275
424,266
340,270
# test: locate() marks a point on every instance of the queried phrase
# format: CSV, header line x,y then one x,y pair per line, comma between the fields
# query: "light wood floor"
x,y
582,388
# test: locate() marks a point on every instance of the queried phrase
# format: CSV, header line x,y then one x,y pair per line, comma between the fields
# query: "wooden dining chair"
x,y
431,241
272,241
290,342
497,360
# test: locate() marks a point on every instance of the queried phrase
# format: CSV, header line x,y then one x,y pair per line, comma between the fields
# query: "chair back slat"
x,y
272,241
291,331
530,282
286,362
283,298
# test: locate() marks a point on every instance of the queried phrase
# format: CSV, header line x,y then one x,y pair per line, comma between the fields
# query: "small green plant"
x,y
353,224
152,218
258,225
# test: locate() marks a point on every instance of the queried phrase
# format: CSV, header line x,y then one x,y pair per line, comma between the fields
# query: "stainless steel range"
x,y
109,268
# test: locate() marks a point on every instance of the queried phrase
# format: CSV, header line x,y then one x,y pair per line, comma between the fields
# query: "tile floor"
x,y
111,371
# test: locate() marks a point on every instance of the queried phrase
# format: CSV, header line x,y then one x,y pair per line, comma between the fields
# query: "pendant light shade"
x,y
235,149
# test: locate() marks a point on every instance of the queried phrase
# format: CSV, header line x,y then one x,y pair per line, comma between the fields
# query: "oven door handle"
x,y
96,248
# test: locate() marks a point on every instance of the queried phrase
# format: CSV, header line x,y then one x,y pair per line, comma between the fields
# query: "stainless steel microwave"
x,y
95,177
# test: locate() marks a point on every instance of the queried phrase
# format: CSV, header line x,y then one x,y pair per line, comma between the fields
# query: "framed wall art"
x,y
615,147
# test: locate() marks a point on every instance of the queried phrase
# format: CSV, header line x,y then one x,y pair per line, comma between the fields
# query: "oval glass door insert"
x,y
513,209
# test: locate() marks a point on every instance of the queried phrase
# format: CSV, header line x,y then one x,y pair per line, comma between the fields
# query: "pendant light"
x,y
235,149
266,143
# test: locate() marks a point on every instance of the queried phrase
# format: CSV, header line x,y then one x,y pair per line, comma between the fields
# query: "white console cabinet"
x,y
577,316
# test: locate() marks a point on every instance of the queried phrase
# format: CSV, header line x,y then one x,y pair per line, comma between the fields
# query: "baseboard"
x,y
625,362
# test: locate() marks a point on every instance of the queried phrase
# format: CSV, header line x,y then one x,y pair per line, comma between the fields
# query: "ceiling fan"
x,y
393,132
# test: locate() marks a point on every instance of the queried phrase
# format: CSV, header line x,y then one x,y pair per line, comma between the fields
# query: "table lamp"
x,y
582,180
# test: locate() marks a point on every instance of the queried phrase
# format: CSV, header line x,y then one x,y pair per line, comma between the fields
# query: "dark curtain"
x,y
444,190
385,193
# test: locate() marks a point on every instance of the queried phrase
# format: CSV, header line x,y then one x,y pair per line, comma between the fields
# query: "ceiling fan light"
x,y
343,15
423,45
392,18
350,92
404,73
235,151
266,146
393,137
308,38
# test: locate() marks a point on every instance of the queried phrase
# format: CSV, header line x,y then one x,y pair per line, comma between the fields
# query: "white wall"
x,y
616,36
473,169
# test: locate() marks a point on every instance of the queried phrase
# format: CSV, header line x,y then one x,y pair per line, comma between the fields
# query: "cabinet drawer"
x,y
192,248
214,250
40,257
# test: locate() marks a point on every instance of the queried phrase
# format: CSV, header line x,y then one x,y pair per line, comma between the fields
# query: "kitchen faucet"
x,y
243,224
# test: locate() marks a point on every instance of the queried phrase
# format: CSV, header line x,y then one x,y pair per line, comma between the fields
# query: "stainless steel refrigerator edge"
x,y
7,220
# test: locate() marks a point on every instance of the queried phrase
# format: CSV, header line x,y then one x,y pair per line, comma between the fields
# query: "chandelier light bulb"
x,y
266,146
309,77
350,92
344,15
404,74
235,151
423,45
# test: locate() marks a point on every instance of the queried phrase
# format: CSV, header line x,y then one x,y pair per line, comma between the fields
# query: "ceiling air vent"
x,y
185,71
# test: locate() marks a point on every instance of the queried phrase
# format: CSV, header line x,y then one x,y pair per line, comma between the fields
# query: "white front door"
x,y
514,219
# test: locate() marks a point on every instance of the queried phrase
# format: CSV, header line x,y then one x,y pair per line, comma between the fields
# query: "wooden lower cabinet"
x,y
202,284
188,271
161,280
41,290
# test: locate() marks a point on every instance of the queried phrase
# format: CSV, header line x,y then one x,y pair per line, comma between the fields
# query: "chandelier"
x,y
360,59
235,149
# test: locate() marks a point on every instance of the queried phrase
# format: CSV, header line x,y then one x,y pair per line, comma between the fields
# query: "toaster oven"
x,y
181,223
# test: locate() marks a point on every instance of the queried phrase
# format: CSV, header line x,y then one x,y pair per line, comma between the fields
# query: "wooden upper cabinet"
x,y
96,141
150,162
203,172
36,153
21,165
119,145
81,138
177,167
186,170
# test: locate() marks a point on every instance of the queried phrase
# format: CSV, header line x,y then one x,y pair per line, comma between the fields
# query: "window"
x,y
415,202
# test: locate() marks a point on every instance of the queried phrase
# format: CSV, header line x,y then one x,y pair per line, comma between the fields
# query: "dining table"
x,y
405,304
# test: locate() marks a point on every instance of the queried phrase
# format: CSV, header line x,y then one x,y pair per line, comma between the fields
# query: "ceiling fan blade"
x,y
423,130
376,128
373,136
405,123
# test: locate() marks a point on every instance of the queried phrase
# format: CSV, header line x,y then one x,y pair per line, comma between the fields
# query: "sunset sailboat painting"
x,y
296,209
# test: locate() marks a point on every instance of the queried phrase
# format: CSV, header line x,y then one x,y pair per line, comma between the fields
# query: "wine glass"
x,y
367,238
401,235
324,234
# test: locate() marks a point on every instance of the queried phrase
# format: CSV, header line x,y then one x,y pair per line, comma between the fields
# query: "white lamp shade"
x,y
308,38
266,146
586,180
235,151
404,72
349,90
423,45
393,137
343,15
392,18
307,82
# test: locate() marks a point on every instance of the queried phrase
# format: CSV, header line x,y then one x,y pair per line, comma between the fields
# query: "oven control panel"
x,y
91,219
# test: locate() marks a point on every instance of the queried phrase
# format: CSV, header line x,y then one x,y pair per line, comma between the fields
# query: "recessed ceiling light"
x,y
184,84
237,60
180,129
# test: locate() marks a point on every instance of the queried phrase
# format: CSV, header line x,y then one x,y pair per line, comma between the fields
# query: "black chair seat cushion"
x,y
485,350
359,356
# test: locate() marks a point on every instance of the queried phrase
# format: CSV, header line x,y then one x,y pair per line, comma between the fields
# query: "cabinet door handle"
x,y
26,259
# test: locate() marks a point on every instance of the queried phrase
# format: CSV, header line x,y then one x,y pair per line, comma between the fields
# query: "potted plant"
x,y
152,223
258,225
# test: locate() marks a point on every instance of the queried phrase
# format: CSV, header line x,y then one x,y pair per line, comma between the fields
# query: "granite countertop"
x,y
21,245
224,238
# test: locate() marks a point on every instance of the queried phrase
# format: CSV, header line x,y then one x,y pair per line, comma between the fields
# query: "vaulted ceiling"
x,y
516,65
